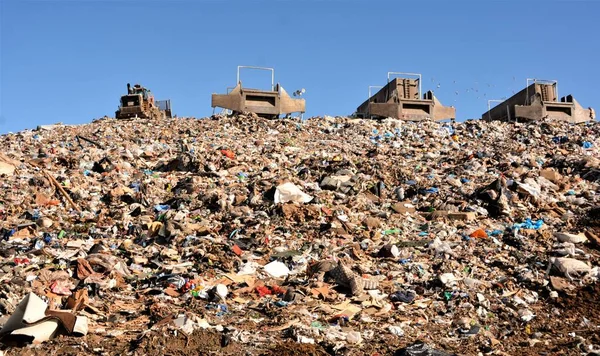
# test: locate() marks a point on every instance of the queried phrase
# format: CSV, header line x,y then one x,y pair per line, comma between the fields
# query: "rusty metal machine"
x,y
539,100
266,103
401,99
139,103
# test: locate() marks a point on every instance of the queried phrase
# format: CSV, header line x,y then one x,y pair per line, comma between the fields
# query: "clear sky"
x,y
69,61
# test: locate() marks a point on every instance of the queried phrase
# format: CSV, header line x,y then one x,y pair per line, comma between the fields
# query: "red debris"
x,y
278,290
263,290
228,153
21,261
479,233
237,250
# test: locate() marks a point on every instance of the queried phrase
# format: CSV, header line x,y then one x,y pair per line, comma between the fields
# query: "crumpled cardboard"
x,y
32,322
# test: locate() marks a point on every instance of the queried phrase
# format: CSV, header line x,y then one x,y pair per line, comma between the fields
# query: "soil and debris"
x,y
326,236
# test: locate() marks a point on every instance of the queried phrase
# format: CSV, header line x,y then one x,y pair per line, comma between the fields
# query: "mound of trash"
x,y
321,236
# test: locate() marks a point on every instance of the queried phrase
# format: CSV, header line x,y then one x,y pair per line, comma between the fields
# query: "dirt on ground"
x,y
557,330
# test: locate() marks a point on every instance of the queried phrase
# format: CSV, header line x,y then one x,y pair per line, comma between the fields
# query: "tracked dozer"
x,y
265,103
537,101
401,99
139,103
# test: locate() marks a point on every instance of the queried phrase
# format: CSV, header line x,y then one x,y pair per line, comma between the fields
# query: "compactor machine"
x,y
139,103
265,103
537,101
401,99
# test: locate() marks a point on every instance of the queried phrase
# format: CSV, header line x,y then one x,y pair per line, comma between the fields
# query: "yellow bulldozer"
x,y
140,103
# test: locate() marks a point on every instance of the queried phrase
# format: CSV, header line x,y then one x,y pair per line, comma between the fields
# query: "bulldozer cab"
x,y
136,95
138,89
130,100
139,102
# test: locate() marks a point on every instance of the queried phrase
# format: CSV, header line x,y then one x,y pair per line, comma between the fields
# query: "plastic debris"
x,y
288,192
572,238
420,349
277,269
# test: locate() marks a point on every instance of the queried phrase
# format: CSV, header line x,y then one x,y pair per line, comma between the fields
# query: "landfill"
x,y
325,236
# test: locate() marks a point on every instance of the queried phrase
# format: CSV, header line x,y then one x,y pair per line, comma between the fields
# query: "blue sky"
x,y
69,61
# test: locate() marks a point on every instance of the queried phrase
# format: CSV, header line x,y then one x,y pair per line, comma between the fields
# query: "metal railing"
x,y
258,68
374,86
490,108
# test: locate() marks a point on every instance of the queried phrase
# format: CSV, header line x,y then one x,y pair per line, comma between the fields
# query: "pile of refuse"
x,y
336,235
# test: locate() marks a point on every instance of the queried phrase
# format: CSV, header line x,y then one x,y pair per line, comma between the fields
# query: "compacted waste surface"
x,y
328,236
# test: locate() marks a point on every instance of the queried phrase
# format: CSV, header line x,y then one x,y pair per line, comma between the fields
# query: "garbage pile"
x,y
339,235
